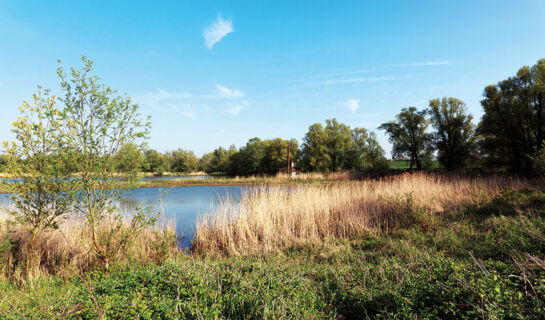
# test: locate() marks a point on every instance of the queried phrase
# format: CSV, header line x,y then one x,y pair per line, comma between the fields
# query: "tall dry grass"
x,y
272,218
68,249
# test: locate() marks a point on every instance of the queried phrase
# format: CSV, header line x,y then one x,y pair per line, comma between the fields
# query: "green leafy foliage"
x,y
338,147
513,123
263,156
38,161
182,161
155,162
409,137
101,132
454,135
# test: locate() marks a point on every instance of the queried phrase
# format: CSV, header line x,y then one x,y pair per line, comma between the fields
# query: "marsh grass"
x,y
483,261
270,219
68,250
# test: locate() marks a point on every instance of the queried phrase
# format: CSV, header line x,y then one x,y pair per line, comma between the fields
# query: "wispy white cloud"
x,y
188,114
161,95
422,64
335,80
229,93
356,80
235,110
187,103
216,31
353,104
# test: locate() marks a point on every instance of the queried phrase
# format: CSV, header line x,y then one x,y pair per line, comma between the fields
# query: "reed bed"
x,y
274,218
68,249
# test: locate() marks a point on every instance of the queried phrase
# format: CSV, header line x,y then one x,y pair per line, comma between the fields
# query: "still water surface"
x,y
181,204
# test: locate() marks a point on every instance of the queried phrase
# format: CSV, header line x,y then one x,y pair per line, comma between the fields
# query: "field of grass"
x,y
404,165
430,247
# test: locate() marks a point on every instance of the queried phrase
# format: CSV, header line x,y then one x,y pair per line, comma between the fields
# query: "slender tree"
x,y
96,125
37,160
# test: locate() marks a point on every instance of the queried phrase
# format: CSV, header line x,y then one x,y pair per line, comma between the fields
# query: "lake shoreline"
x,y
219,184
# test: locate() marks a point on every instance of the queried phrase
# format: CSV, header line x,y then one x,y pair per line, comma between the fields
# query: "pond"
x,y
182,204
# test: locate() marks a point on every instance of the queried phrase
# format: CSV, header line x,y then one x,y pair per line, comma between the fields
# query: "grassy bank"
x,y
405,164
459,248
279,179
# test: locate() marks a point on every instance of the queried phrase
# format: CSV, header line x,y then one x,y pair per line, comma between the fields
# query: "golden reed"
x,y
273,218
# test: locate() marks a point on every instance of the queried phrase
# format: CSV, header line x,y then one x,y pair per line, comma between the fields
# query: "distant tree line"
x,y
131,156
333,147
509,137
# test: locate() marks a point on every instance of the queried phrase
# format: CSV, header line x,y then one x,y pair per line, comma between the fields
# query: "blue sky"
x,y
214,73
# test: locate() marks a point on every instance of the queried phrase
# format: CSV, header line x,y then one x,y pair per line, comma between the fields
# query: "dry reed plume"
x,y
272,218
68,250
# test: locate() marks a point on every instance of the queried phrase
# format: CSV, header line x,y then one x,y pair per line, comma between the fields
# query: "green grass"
x,y
403,165
485,262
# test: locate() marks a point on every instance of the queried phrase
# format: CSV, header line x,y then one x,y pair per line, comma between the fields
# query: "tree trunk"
x,y
30,253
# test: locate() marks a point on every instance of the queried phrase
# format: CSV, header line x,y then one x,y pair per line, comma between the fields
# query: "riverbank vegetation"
x,y
347,238
480,260
271,219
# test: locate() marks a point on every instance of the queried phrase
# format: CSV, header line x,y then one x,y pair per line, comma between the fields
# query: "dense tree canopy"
x,y
181,160
454,135
262,156
130,158
409,136
513,123
155,161
338,147
218,160
3,162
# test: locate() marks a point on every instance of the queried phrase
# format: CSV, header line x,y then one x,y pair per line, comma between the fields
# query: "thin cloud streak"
x,y
216,31
423,64
356,80
372,69
162,95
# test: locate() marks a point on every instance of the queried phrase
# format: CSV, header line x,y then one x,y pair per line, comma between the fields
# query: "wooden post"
x,y
289,162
